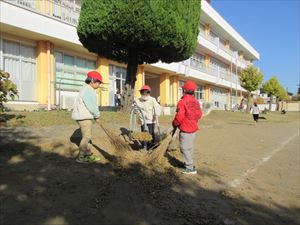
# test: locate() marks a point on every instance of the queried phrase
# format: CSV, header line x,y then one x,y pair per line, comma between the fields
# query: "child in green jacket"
x,y
84,112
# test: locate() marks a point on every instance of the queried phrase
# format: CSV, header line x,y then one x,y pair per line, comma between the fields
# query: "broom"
x,y
115,140
157,154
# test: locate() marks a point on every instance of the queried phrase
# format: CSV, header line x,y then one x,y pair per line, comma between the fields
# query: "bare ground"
x,y
246,175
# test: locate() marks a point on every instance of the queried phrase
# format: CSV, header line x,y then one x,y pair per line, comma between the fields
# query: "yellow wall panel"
x,y
164,89
103,93
140,80
207,93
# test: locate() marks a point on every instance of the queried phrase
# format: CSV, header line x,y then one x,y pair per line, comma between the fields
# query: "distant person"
x,y
255,112
85,111
118,98
188,113
150,109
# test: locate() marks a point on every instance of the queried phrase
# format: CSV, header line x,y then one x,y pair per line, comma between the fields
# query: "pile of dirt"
x,y
141,136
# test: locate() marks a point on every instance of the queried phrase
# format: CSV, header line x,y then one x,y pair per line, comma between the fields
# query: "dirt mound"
x,y
141,136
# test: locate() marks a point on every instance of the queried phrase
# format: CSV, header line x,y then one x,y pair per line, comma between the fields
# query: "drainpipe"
x,y
48,77
230,83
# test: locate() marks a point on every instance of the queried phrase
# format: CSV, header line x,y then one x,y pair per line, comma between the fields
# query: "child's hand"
x,y
97,120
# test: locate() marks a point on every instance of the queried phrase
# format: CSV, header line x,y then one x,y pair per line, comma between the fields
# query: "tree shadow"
x,y
42,184
4,117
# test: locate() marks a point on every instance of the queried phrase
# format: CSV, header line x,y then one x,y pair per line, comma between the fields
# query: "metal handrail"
x,y
61,12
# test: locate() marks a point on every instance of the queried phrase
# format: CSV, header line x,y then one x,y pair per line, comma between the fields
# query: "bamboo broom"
x,y
114,139
157,154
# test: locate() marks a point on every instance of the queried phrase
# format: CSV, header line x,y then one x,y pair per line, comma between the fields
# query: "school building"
x,y
39,47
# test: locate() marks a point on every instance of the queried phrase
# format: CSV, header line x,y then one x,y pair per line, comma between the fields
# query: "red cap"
x,y
95,75
145,88
189,86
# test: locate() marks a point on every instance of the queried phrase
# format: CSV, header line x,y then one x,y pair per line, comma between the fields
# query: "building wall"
x,y
214,66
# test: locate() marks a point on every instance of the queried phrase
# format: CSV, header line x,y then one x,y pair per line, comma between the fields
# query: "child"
x,y
150,108
188,113
255,112
85,111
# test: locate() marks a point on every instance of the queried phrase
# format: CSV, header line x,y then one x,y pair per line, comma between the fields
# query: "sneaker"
x,y
88,158
189,171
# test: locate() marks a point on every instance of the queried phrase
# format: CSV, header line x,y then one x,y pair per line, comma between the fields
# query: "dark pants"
x,y
255,117
151,127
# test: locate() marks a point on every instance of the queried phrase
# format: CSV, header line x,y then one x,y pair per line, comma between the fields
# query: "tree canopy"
x,y
282,94
139,31
251,78
148,30
272,86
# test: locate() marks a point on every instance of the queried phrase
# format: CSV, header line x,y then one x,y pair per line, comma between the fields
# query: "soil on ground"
x,y
247,174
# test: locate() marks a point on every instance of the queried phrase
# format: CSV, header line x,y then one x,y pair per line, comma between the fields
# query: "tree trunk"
x,y
128,91
277,104
270,103
248,102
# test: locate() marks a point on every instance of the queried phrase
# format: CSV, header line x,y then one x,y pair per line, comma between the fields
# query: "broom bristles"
x,y
115,140
157,154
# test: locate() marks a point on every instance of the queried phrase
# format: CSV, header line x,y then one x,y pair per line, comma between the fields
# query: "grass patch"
x,y
45,118
227,116
38,119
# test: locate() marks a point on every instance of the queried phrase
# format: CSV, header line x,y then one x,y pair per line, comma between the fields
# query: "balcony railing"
x,y
215,72
226,49
209,37
67,11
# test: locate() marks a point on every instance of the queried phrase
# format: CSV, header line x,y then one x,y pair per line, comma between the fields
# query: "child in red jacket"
x,y
188,113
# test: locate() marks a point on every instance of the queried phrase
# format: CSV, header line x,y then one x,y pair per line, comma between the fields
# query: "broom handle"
x,y
158,127
174,131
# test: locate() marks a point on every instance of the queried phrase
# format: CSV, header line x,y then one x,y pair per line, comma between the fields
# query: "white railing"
x,y
226,49
209,37
66,11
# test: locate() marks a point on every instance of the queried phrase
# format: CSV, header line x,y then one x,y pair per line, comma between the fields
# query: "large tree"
x,y
251,79
281,96
139,31
272,87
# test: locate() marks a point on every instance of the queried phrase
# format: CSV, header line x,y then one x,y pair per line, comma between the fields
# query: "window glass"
x,y
70,71
81,63
68,61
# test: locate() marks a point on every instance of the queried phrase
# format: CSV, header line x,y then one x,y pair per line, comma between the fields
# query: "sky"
x,y
272,28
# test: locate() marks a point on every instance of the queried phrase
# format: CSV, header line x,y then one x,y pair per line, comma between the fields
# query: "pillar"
x,y
52,75
207,93
42,72
207,29
207,60
241,55
164,89
140,80
174,89
38,5
103,92
227,44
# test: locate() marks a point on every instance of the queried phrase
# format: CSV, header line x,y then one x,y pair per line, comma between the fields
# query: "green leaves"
x,y
153,29
7,88
274,88
251,78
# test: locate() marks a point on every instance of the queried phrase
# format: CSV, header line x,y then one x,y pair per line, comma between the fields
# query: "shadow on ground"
x,y
40,185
